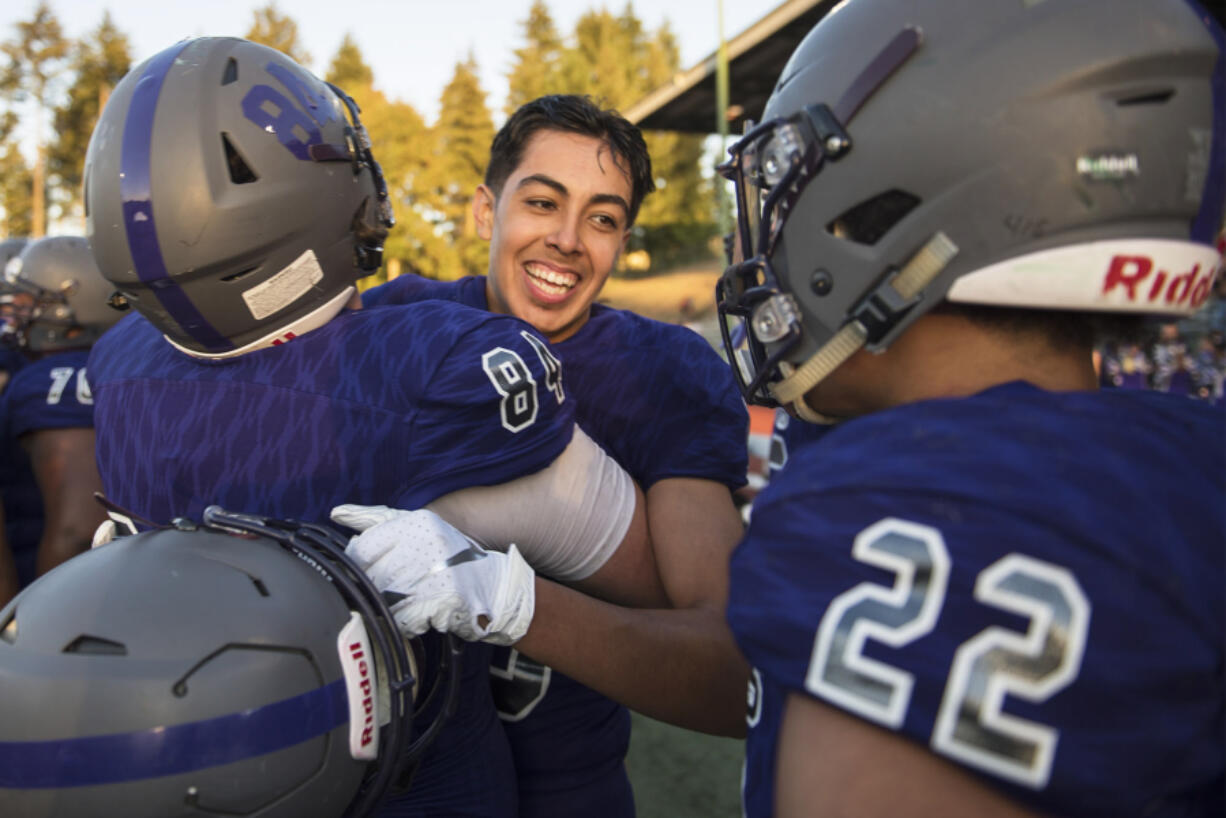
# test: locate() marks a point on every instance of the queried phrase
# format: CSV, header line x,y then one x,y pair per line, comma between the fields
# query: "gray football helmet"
x,y
9,305
10,249
240,667
53,296
230,193
1052,155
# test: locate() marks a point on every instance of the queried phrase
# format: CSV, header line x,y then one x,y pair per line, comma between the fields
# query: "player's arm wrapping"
x,y
579,520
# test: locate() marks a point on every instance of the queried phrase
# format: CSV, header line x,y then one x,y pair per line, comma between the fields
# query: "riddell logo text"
x,y
1143,283
368,701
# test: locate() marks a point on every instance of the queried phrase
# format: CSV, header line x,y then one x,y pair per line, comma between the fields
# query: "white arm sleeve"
x,y
567,519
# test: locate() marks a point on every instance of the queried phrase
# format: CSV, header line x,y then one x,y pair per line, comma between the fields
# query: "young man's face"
x,y
555,231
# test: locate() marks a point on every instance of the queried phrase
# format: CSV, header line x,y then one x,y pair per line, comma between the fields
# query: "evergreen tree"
x,y
403,144
537,69
16,181
99,62
463,134
348,69
33,61
616,61
272,28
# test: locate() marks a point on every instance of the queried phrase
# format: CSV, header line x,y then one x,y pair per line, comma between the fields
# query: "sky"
x,y
412,45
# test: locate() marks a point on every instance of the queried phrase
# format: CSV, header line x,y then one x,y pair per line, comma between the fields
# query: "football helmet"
x,y
1049,155
240,667
9,305
10,249
231,196
53,296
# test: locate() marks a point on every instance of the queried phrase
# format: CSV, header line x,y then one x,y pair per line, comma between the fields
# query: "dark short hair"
x,y
1060,328
572,113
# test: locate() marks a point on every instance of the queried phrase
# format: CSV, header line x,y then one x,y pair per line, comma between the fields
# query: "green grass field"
x,y
681,774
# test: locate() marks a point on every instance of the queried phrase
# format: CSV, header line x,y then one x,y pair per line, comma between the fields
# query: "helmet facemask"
x,y
770,168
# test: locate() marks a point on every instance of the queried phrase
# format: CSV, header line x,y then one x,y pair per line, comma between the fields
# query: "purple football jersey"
x,y
663,404
395,406
1027,583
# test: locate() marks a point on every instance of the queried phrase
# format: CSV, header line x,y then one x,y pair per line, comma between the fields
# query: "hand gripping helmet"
x,y
1052,155
231,196
241,668
54,297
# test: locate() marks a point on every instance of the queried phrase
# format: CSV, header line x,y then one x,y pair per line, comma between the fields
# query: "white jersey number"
x,y
970,726
60,378
553,367
510,376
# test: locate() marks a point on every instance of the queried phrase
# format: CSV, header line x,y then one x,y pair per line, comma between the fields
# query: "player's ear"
x,y
484,202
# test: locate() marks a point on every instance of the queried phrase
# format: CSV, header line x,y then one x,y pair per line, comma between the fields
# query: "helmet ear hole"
x,y
1148,98
868,221
240,172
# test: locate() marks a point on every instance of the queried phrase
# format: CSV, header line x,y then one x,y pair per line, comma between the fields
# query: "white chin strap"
x,y
314,319
916,274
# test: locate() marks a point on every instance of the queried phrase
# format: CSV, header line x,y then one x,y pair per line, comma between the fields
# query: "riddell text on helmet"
x,y
368,702
1142,283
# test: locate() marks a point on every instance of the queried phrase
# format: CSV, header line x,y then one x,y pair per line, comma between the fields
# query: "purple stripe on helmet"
x,y
172,749
1208,221
135,187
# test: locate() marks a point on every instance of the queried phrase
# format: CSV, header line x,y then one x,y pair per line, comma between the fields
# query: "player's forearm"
x,y
64,537
677,666
8,568
67,478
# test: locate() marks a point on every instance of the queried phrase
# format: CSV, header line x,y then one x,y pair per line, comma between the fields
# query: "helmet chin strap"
x,y
916,274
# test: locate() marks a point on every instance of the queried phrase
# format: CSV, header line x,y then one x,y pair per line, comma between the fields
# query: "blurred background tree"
x,y
404,146
276,30
97,64
16,180
463,135
537,68
31,73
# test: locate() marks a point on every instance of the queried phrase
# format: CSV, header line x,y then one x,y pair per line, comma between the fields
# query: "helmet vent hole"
x,y
96,646
1149,98
240,172
231,73
236,277
259,586
871,219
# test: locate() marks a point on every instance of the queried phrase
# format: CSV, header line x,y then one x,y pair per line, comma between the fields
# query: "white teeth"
x,y
551,281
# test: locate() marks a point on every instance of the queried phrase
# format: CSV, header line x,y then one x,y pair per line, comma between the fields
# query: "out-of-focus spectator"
x,y
1126,366
1172,366
1214,312
1210,366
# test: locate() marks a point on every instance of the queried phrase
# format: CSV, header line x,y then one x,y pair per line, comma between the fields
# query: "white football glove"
x,y
447,582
